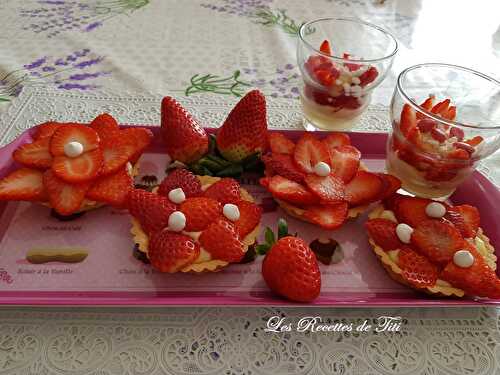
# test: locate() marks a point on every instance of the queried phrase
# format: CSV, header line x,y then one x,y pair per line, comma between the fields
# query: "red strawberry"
x,y
329,189
408,120
112,189
250,214
181,178
426,124
335,139
417,270
325,47
441,107
34,155
116,153
437,240
325,77
65,198
474,141
391,185
67,133
457,133
105,125
290,269
290,191
280,144
83,168
186,141
244,131
200,212
383,232
152,210
264,181
345,162
369,76
46,130
309,151
410,210
284,166
327,216
221,240
365,187
427,105
138,140
226,190
451,114
23,185
477,280
465,218
170,252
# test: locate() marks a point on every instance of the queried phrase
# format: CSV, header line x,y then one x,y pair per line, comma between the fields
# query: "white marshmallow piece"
x,y
176,221
176,196
356,80
404,232
463,258
322,169
231,211
73,149
435,210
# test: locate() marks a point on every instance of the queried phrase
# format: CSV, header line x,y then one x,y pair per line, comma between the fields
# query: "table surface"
x,y
71,60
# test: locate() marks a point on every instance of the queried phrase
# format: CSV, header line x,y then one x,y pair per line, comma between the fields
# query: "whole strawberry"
x,y
185,139
290,268
245,130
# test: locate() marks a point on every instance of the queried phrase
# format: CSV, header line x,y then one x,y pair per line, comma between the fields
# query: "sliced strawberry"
x,y
365,77
226,190
427,105
345,162
83,168
23,185
250,215
221,240
330,189
65,198
417,270
437,240
116,152
426,125
170,252
181,178
410,210
336,139
383,232
450,114
459,153
105,125
408,120
325,47
112,189
280,144
477,280
200,212
139,140
151,210
441,107
46,130
391,185
34,155
290,191
457,133
465,218
309,151
65,134
474,141
327,216
283,165
369,76
325,77
439,135
365,187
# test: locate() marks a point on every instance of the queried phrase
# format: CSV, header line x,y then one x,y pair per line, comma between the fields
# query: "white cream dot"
x,y
322,169
435,210
463,258
176,221
231,211
177,196
73,149
404,232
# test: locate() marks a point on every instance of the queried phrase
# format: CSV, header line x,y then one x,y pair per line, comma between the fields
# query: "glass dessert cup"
x,y
341,60
437,144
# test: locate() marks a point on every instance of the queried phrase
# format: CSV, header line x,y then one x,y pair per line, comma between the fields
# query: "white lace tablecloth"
x,y
71,60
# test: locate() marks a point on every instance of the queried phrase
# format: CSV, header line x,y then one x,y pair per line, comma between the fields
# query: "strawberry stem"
x,y
270,238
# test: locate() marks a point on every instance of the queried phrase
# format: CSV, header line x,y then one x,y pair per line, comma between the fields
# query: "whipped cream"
x,y
231,212
322,169
176,221
73,149
463,258
404,232
177,196
435,209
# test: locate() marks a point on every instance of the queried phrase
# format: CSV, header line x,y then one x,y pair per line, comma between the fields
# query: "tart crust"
x,y
442,288
212,265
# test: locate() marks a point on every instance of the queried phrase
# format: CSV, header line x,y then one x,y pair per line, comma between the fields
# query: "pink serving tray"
x,y
110,275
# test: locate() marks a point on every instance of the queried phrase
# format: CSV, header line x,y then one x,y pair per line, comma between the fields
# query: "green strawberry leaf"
x,y
269,236
282,228
234,170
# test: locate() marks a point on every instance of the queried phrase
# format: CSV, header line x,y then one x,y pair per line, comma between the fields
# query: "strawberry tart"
x,y
74,167
193,223
322,181
434,247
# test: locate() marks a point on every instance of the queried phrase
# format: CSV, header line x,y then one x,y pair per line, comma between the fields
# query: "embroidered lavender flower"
x,y
36,63
282,84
